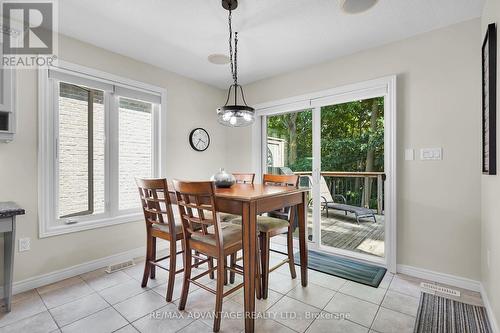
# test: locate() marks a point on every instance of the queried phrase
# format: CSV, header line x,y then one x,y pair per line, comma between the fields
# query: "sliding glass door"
x,y
351,177
289,147
338,148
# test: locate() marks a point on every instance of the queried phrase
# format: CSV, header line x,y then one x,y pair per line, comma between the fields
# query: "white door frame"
x,y
382,87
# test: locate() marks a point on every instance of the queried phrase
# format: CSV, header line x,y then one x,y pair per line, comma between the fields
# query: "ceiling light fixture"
x,y
219,59
356,6
235,115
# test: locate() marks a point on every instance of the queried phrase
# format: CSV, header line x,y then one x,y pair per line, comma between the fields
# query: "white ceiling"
x,y
276,36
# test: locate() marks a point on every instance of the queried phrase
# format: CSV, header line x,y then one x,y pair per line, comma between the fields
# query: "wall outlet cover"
x,y
24,244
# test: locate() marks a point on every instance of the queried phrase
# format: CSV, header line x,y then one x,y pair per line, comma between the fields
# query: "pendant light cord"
x,y
233,58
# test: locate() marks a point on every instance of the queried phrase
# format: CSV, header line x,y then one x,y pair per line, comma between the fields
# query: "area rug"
x,y
441,315
345,268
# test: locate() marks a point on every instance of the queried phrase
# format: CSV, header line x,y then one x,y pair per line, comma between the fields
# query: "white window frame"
x,y
47,181
386,87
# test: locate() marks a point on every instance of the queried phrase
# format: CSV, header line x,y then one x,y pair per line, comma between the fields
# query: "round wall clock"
x,y
199,139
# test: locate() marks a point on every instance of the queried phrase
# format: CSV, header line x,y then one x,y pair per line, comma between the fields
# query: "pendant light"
x,y
234,115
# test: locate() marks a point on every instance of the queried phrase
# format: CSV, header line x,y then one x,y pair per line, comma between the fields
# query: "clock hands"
x,y
198,142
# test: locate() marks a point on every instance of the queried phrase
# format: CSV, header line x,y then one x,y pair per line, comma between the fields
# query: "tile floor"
x,y
100,302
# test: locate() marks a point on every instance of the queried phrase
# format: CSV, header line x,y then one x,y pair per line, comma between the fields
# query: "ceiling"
x,y
275,36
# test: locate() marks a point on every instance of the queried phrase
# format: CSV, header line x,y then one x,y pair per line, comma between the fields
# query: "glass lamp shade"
x,y
236,115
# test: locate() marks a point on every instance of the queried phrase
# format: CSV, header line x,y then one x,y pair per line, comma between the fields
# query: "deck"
x,y
341,231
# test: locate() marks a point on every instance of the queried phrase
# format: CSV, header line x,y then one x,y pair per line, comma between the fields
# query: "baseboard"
x,y
448,279
65,273
491,315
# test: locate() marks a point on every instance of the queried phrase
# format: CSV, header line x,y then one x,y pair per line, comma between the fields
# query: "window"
x,y
80,152
96,135
135,144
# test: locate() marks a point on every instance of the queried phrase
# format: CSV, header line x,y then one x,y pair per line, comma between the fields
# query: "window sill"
x,y
55,230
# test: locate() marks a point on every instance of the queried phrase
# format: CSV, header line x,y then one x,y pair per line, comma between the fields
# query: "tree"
x,y
352,139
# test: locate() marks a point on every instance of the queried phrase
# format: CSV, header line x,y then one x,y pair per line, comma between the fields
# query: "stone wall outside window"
x,y
134,150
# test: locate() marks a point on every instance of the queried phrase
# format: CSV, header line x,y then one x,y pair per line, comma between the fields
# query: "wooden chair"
x,y
244,178
241,178
269,226
160,223
276,223
196,202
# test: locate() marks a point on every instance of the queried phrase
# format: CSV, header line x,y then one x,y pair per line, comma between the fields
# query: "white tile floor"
x,y
100,302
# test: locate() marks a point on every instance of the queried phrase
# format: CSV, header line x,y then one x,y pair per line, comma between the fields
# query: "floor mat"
x,y
441,315
345,268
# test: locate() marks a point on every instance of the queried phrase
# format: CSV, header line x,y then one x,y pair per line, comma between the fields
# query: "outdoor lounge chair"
x,y
328,202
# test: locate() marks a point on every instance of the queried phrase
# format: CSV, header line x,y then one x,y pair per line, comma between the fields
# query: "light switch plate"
x,y
409,154
431,154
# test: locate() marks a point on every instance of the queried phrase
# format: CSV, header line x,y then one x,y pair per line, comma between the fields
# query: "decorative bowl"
x,y
223,179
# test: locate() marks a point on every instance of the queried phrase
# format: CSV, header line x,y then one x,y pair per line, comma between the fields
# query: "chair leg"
x,y
211,266
183,245
291,262
233,266
196,260
153,257
221,273
171,271
225,271
258,282
187,275
147,265
264,243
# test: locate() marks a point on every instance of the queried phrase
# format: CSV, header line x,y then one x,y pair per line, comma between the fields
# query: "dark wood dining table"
x,y
249,201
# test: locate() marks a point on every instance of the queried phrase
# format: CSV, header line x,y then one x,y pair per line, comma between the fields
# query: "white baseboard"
x,y
448,279
491,315
65,273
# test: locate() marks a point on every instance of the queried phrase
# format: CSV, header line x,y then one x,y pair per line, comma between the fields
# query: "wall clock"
x,y
199,139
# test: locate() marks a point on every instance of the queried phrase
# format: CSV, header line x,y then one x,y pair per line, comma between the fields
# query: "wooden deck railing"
x,y
379,176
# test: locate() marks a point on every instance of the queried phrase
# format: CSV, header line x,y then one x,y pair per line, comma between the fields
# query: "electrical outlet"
x,y
24,244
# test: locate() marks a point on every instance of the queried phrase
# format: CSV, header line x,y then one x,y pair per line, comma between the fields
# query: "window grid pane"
x,y
74,151
135,149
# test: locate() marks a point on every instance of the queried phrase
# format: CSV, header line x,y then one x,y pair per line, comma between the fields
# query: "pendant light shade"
x,y
237,114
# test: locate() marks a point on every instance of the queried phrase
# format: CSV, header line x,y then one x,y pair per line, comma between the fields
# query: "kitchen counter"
x,y
9,209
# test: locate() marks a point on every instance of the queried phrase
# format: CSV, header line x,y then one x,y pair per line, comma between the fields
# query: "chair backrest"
x,y
155,202
281,180
287,181
195,200
244,178
325,190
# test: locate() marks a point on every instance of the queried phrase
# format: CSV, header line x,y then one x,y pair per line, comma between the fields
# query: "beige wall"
x,y
490,210
189,104
438,106
438,103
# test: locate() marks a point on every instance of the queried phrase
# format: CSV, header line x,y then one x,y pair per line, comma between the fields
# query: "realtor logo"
x,y
28,29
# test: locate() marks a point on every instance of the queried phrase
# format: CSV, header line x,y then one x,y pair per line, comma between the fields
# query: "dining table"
x,y
249,201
